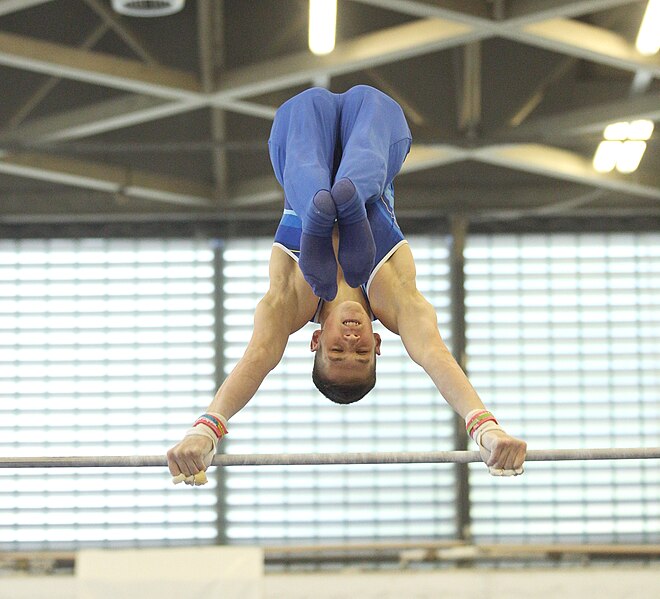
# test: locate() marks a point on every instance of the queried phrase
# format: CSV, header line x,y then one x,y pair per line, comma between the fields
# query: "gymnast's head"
x,y
345,351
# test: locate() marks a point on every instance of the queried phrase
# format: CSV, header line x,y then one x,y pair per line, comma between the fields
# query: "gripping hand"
x,y
504,455
189,459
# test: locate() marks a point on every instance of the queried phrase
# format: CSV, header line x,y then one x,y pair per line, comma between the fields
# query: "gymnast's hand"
x,y
189,459
504,455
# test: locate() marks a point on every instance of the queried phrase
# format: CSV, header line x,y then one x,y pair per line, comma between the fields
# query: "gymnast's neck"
x,y
345,293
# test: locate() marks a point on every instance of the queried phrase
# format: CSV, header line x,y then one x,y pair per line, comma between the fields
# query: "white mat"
x,y
177,573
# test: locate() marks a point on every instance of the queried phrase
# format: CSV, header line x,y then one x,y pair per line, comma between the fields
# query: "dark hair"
x,y
343,393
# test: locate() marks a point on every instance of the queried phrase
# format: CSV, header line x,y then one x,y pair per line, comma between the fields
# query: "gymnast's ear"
x,y
314,345
377,339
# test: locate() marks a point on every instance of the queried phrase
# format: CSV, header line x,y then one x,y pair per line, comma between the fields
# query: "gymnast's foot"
x,y
357,250
317,257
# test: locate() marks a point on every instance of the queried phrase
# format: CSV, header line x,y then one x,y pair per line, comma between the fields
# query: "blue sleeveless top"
x,y
384,227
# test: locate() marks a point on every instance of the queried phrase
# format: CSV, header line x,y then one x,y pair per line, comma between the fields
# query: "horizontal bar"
x,y
318,459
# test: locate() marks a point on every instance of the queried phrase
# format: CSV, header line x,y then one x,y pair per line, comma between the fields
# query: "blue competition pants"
x,y
319,137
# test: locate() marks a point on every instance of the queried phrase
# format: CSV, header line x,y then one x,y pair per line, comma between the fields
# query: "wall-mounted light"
x,y
648,38
623,146
322,25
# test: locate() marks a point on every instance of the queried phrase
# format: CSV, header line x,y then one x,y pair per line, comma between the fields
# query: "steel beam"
x,y
397,43
210,34
590,119
477,13
94,67
469,117
114,114
585,41
255,191
94,119
427,156
459,231
103,177
544,24
112,20
471,12
530,11
562,164
370,50
42,91
9,6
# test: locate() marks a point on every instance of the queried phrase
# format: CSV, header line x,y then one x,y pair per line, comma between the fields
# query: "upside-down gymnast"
x,y
340,260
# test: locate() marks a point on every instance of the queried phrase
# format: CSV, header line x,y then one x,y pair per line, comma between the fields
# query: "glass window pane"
x,y
106,348
564,346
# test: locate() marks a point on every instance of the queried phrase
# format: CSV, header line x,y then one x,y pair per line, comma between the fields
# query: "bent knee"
x,y
314,96
365,93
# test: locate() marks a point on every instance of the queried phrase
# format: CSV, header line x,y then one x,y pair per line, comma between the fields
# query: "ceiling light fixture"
x,y
147,8
322,26
648,38
623,146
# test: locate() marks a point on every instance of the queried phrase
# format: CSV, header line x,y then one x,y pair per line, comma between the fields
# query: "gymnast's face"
x,y
346,344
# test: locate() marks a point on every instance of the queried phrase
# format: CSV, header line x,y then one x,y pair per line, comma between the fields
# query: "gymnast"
x,y
339,259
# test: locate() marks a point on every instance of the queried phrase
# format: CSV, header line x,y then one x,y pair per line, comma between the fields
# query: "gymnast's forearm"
x,y
263,353
451,381
418,328
241,384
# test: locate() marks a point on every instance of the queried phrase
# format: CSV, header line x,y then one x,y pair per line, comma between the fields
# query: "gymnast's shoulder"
x,y
288,286
393,283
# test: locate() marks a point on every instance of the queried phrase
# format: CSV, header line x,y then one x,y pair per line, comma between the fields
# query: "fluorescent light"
x,y
648,38
322,25
640,130
616,131
630,156
607,156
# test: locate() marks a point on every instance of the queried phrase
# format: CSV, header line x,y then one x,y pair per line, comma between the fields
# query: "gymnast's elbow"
x,y
260,358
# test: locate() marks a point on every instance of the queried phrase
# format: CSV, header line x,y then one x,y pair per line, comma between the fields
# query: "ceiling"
x,y
105,117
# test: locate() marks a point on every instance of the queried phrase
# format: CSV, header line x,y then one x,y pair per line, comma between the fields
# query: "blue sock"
x,y
317,257
357,250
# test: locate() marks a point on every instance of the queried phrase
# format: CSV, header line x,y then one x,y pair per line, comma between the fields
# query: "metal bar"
x,y
591,119
40,94
219,366
367,51
585,41
210,28
10,6
329,459
99,68
564,164
459,228
111,19
470,109
102,177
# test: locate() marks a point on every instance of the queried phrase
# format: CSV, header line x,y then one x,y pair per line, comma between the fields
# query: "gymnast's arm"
x,y
418,327
263,353
407,312
282,311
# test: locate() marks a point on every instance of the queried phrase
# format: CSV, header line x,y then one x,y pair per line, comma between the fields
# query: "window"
x,y
106,347
109,347
564,346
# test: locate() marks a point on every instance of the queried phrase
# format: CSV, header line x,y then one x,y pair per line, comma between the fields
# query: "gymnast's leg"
x,y
375,140
302,150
